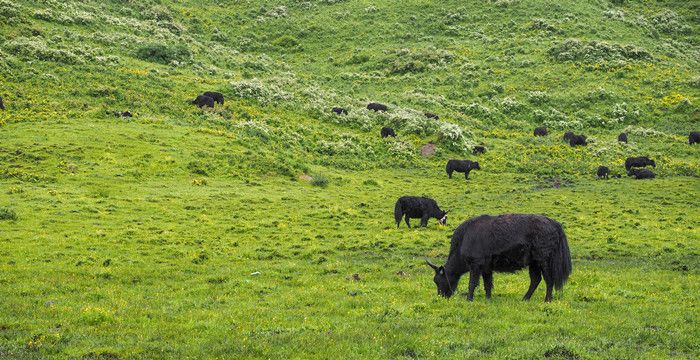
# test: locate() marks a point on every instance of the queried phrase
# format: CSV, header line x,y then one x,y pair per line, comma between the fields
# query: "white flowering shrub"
x,y
596,51
453,136
640,131
669,22
622,113
555,119
10,12
537,97
510,105
401,149
37,49
259,91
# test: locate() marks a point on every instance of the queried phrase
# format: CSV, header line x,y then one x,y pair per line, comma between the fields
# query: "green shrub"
x,y
163,53
319,180
596,51
7,214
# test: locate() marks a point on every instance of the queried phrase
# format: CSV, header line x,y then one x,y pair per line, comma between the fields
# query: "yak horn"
x,y
435,267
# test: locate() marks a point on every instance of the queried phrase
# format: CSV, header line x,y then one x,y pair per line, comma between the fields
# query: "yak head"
x,y
443,218
475,165
443,283
652,163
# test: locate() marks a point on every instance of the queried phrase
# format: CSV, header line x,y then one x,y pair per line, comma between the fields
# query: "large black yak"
x,y
540,131
603,172
387,131
464,166
217,96
568,135
203,100
693,138
640,161
505,243
377,107
415,207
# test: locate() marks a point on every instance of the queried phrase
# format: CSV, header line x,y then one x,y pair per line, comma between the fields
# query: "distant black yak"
x,y
478,149
640,161
387,131
568,135
540,131
603,172
120,113
203,100
642,173
464,166
2,106
693,138
505,243
622,138
414,207
430,115
377,107
217,96
339,111
577,140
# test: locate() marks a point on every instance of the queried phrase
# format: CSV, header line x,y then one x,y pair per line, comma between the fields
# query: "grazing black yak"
x,y
377,107
622,138
640,161
603,172
568,135
577,140
478,150
203,100
387,131
464,166
120,113
505,243
540,131
2,106
430,115
642,173
339,111
693,138
415,207
217,96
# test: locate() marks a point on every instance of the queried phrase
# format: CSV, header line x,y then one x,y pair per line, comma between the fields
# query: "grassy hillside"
x,y
190,233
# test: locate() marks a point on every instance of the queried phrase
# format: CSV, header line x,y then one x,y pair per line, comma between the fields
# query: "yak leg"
x,y
424,221
474,275
535,278
488,283
408,223
449,173
466,174
547,274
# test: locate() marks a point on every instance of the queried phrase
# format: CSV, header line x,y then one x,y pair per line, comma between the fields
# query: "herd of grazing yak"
x,y
486,244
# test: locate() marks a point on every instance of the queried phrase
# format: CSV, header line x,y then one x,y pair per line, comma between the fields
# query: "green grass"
x,y
188,233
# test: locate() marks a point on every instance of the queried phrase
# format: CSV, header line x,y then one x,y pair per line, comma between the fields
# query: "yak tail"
x,y
561,260
398,212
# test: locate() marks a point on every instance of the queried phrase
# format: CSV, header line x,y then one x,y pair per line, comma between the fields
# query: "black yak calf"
x,y
640,161
693,138
642,173
540,131
430,115
478,150
2,106
577,140
568,135
387,131
622,138
603,172
506,243
464,166
217,96
339,111
203,100
377,107
414,207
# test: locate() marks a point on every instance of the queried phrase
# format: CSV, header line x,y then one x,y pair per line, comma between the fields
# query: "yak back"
x,y
506,241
